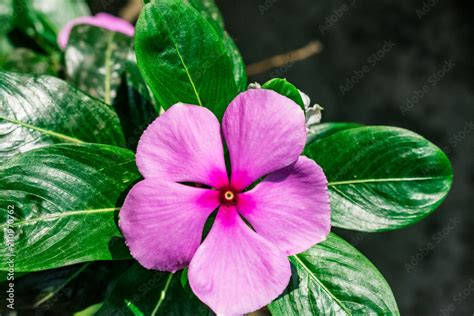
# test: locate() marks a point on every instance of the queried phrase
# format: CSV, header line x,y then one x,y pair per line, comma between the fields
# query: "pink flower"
x,y
103,20
237,269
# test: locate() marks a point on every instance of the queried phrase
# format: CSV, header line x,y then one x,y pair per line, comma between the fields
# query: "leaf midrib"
x,y
361,181
42,130
188,74
315,278
53,216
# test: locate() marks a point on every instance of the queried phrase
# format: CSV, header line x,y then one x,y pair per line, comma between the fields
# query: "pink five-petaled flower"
x,y
103,20
236,269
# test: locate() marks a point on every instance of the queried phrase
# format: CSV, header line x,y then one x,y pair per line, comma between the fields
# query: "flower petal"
x,y
235,271
103,20
162,222
184,145
264,131
290,207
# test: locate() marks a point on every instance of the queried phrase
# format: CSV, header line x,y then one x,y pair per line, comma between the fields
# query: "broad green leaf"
x,y
320,131
381,178
210,10
95,60
283,87
183,58
42,110
333,278
211,13
65,199
151,293
240,70
27,61
134,104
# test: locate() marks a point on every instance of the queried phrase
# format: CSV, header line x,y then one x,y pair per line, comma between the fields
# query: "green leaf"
x,y
381,178
27,61
320,131
134,104
64,200
283,87
6,15
36,25
6,48
211,13
89,311
184,277
42,110
54,290
151,293
183,58
209,9
333,278
42,20
95,60
65,290
240,70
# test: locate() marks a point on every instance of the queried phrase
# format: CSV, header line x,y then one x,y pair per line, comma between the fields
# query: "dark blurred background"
x,y
402,63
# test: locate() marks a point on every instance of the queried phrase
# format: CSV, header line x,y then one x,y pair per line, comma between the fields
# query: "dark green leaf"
x,y
333,278
42,20
283,87
381,178
134,104
183,58
36,25
240,70
320,131
42,110
95,60
151,293
50,292
65,290
211,13
64,200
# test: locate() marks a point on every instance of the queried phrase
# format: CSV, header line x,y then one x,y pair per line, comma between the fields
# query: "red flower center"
x,y
228,196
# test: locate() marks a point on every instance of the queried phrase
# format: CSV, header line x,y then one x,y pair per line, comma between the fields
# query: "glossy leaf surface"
x,y
41,110
183,58
381,178
322,130
95,60
333,278
64,200
283,87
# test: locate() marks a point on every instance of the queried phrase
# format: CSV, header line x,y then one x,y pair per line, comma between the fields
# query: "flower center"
x,y
228,197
